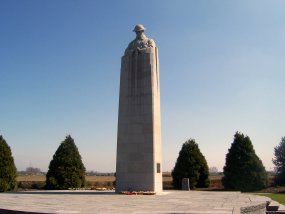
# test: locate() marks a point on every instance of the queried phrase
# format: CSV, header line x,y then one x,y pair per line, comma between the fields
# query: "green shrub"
x,y
279,162
7,167
243,170
191,164
66,169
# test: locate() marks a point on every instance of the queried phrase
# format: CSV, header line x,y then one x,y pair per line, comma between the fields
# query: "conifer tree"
x,y
279,162
243,170
8,172
66,169
191,164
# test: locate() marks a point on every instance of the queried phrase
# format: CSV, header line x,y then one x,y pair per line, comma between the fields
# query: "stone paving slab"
x,y
191,202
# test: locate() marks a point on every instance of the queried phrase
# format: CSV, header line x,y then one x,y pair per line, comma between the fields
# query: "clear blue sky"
x,y
222,68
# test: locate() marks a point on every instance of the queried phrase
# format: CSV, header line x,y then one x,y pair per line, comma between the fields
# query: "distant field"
x,y
102,181
94,178
88,178
38,182
31,178
36,178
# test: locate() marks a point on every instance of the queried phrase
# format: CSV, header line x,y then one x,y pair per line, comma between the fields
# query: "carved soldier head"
x,y
139,27
139,30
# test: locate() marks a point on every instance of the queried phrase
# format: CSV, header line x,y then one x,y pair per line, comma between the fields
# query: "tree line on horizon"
x,y
243,170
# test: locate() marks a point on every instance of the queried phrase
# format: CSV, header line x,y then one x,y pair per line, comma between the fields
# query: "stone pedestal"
x,y
185,184
139,137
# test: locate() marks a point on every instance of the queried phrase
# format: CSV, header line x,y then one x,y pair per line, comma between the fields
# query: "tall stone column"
x,y
139,136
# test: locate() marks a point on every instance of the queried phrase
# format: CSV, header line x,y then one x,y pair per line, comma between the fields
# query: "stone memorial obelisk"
x,y
139,136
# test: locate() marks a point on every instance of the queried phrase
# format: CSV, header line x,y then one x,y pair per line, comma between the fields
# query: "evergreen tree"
x,y
279,162
66,169
243,170
8,170
191,164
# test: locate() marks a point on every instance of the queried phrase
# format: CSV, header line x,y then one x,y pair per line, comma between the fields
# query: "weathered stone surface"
x,y
273,206
191,202
139,136
185,184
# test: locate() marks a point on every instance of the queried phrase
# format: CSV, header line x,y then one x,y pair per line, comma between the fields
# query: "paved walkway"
x,y
191,202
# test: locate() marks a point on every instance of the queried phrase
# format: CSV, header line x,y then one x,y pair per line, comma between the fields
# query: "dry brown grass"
x,y
28,181
88,178
31,178
108,181
38,182
43,178
100,178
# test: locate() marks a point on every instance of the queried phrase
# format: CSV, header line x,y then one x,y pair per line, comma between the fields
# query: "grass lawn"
x,y
279,197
